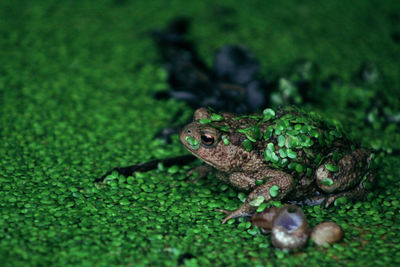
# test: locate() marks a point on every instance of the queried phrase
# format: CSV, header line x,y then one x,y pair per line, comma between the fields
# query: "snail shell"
x,y
326,233
265,219
289,228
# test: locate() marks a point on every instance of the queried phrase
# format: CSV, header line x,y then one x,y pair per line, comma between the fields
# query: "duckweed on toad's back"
x,y
76,99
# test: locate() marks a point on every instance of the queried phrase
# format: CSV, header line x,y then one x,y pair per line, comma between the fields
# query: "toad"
x,y
287,155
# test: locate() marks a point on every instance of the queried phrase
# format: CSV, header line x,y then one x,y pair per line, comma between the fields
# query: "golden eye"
x,y
207,140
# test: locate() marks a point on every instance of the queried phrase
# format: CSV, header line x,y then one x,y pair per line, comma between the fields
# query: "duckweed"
x,y
257,201
247,145
268,114
205,121
331,167
327,181
216,117
225,140
291,154
193,143
76,87
274,191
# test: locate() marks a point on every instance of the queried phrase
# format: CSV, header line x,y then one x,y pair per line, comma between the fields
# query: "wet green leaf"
x,y
262,207
268,114
193,143
282,153
340,201
268,133
274,191
299,167
281,140
259,182
242,197
257,201
216,117
327,181
291,154
247,145
205,121
274,157
267,155
271,147
252,133
331,167
225,140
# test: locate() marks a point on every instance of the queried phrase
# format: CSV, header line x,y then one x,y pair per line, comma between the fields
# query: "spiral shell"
x,y
290,228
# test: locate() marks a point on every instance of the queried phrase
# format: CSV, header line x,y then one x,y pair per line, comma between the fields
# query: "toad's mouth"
x,y
204,160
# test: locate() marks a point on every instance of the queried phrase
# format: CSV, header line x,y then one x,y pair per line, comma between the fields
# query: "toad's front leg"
x,y
282,181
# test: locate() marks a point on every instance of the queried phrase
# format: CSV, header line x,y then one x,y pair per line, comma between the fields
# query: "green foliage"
x,y
76,86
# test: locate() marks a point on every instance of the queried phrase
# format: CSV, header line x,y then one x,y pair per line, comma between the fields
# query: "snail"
x,y
265,219
289,228
326,233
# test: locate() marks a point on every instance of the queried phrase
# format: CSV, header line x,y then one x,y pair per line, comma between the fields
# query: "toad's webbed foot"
x,y
243,211
279,182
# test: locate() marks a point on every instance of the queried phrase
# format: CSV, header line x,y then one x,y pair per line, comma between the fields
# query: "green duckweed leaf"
x,y
257,201
327,181
292,142
299,167
205,121
268,133
242,197
267,155
282,153
281,140
274,190
268,114
331,167
279,129
262,207
224,128
340,201
292,166
247,145
252,133
313,133
271,147
284,162
225,140
216,117
306,141
193,143
259,182
291,154
274,157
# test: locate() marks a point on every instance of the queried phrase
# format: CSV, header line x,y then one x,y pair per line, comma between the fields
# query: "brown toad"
x,y
285,155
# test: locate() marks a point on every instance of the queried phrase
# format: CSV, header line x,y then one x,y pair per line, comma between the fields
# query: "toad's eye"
x,y
207,140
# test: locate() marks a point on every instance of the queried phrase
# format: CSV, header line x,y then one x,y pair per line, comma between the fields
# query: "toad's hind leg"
x,y
344,178
282,181
357,193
